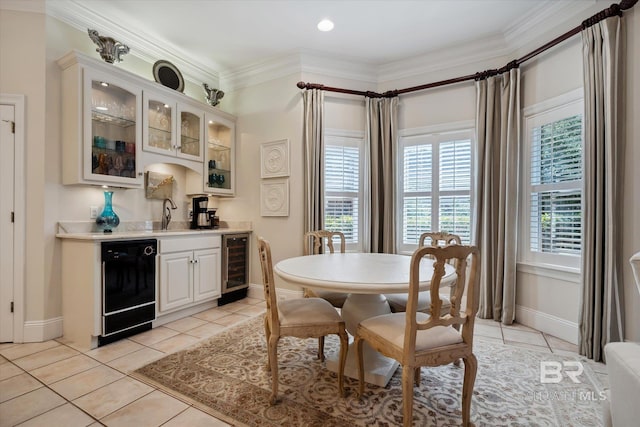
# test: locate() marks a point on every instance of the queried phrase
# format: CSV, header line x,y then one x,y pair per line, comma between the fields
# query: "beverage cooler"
x,y
235,267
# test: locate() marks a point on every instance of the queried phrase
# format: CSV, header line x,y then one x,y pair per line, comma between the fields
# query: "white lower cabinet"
x,y
189,271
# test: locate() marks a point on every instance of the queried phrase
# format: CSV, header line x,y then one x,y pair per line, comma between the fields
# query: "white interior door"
x,y
7,278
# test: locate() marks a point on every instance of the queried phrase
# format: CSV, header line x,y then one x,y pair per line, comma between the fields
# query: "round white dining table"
x,y
365,277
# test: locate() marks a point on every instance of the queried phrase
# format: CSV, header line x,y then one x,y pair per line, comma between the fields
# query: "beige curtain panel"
x,y
313,140
382,138
496,207
601,309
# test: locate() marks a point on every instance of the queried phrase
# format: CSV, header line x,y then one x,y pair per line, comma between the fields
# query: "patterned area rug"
x,y
226,377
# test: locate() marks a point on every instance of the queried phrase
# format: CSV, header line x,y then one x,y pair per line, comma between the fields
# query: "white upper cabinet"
x,y
191,132
219,165
218,176
116,123
101,128
172,128
159,130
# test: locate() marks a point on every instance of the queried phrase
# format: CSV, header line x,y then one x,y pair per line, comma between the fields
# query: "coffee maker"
x,y
200,217
214,220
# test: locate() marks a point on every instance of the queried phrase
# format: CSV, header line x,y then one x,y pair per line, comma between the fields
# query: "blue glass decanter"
x,y
107,220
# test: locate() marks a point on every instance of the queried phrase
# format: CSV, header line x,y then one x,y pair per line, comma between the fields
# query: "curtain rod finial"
x,y
301,85
627,4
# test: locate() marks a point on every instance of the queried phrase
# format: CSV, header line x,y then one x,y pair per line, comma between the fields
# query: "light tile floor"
x,y
52,384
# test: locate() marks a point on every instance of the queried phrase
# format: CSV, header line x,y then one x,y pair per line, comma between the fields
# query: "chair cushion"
x,y
304,311
398,302
336,299
391,328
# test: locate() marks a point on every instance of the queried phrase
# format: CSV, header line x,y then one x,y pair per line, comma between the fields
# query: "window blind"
x,y
455,188
436,188
342,186
556,186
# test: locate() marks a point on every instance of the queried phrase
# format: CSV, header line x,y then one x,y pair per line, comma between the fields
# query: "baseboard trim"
x,y
257,292
161,319
42,330
544,322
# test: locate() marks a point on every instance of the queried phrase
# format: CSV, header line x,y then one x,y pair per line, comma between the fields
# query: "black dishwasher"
x,y
128,288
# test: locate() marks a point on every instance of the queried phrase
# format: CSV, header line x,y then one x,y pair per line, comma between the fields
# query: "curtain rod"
x,y
613,10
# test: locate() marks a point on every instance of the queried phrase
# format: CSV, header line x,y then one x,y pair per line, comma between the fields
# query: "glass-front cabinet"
x,y
164,134
111,131
191,132
158,132
115,124
219,159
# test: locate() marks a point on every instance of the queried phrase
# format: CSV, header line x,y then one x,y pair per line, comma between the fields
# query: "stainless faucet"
x,y
166,213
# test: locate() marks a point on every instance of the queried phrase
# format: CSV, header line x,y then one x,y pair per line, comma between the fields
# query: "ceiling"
x,y
224,36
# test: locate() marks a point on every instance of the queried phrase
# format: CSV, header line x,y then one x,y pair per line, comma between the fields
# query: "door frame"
x,y
19,236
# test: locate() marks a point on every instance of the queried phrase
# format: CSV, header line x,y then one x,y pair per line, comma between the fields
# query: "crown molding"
x,y
483,50
260,72
80,17
340,67
539,22
295,63
542,19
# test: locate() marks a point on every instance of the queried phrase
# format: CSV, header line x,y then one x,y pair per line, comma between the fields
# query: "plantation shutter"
x,y
556,174
418,175
342,178
455,185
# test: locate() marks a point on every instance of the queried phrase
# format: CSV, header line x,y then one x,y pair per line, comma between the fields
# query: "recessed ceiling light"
x,y
325,25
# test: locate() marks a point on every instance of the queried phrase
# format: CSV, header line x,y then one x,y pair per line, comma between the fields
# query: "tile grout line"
x,y
105,364
145,346
50,389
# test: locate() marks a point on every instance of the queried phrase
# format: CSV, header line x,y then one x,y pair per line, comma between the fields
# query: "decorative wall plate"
x,y
274,195
167,74
274,159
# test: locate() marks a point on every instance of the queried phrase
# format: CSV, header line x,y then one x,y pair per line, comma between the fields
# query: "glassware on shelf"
x,y
185,128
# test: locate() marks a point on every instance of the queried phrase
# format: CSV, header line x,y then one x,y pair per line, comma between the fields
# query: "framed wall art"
x,y
274,197
274,159
158,185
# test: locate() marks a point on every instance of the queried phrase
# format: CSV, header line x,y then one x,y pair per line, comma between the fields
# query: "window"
x,y
343,186
553,183
435,185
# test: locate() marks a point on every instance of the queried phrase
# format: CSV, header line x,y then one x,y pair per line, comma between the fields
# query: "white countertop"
x,y
141,230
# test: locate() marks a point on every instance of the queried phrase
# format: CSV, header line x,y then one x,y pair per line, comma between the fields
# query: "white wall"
x,y
22,71
554,300
266,112
30,44
548,299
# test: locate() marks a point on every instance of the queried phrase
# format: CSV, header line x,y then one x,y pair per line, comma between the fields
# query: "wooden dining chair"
x,y
315,240
418,339
398,302
300,318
